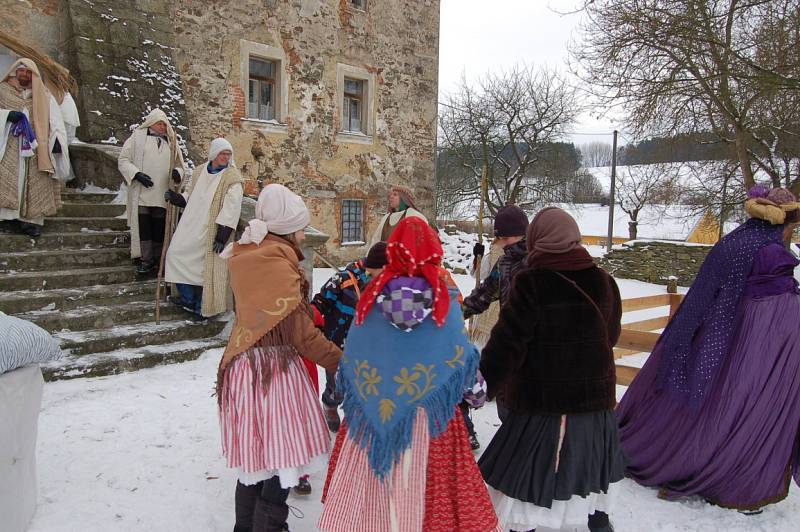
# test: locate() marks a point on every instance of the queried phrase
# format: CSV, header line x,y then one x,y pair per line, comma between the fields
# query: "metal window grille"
x,y
352,221
261,89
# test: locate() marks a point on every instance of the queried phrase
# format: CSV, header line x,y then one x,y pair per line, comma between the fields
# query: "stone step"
x,y
90,210
87,197
71,298
29,261
66,279
102,317
84,225
11,243
114,362
78,343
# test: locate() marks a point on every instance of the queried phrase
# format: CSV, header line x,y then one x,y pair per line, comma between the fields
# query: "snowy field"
x,y
141,452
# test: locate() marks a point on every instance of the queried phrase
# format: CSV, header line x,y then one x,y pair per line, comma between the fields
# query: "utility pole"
x,y
612,199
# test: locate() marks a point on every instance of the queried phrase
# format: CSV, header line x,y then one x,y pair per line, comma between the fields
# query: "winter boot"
x,y
31,230
599,522
303,487
146,264
245,504
271,510
332,418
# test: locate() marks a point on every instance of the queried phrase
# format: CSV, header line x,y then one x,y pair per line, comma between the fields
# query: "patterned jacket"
x,y
337,299
498,284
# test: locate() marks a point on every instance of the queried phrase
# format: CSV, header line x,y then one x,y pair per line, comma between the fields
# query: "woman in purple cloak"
x,y
715,411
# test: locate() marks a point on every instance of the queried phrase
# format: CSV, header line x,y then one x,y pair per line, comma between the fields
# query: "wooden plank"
x,y
641,303
648,325
626,374
639,340
619,352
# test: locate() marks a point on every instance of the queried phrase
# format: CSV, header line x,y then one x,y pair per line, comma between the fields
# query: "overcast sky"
x,y
479,37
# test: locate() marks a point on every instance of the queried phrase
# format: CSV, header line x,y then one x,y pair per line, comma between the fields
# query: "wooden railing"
x,y
638,337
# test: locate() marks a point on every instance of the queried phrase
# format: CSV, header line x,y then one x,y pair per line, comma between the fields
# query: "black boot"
x,y
246,497
31,230
599,522
271,510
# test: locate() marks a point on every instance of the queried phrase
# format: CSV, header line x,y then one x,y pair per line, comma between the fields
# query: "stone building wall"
x,y
655,262
190,57
393,44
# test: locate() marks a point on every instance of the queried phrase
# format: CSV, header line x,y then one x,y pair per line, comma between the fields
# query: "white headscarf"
x,y
278,211
218,145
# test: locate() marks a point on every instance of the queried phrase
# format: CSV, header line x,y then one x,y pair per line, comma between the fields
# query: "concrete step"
x,y
102,317
84,225
114,362
87,197
77,343
71,298
48,280
90,210
29,261
11,243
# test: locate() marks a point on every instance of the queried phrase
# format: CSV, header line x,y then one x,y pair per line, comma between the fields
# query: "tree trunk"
x,y
633,229
744,158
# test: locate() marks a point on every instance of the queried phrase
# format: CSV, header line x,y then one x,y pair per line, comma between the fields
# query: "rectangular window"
x,y
353,112
352,221
261,89
359,4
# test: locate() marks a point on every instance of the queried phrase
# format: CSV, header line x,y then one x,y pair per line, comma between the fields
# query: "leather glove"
x,y
14,117
176,199
223,233
57,147
176,176
144,179
478,250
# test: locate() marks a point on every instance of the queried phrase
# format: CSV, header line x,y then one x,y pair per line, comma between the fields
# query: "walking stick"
x,y
484,191
169,228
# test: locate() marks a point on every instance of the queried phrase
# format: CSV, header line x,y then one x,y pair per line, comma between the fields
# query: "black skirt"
x,y
520,461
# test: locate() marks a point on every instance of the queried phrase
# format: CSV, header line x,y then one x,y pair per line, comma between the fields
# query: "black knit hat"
x,y
376,258
510,221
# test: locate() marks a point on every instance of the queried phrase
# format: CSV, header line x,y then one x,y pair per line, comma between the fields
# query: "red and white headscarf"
x,y
413,250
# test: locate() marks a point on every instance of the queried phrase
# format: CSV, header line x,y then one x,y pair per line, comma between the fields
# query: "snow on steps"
x,y
77,282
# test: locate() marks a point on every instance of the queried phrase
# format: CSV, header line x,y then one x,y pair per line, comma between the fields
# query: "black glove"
x,y
478,250
223,234
176,176
57,147
175,198
144,179
14,116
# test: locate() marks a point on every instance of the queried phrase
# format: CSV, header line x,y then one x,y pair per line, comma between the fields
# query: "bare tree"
x,y
715,186
499,126
596,154
731,67
653,185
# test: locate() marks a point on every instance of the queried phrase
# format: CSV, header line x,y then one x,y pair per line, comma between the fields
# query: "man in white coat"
x,y
34,157
212,205
401,205
149,159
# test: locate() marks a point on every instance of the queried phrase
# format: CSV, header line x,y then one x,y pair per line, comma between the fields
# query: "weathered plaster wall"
x,y
34,22
396,40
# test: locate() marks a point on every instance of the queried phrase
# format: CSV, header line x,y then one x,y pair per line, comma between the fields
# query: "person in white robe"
x,y
149,159
212,205
34,149
401,205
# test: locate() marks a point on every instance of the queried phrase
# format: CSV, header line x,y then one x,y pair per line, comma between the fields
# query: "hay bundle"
x,y
57,78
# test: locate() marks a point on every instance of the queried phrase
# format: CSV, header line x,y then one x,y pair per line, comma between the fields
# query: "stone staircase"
x,y
77,282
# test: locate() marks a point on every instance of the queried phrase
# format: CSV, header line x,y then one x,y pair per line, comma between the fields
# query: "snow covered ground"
x,y
141,452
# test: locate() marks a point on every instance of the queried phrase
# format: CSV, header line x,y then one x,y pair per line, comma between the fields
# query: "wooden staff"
x,y
169,229
484,191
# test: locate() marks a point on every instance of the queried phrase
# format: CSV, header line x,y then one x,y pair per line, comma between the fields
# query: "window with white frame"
x,y
261,89
353,103
352,221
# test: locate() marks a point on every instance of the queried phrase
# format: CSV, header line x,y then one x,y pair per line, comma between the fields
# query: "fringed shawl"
x,y
386,374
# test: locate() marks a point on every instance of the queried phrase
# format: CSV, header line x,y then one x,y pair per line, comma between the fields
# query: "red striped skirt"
x,y
435,487
281,432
